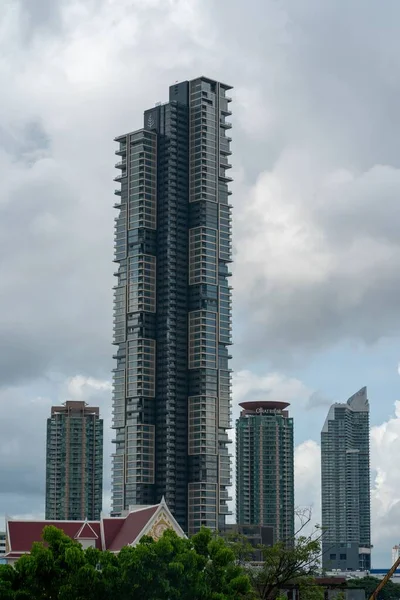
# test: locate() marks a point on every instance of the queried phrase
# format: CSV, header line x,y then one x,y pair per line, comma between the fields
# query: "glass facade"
x,y
345,485
172,308
265,468
74,462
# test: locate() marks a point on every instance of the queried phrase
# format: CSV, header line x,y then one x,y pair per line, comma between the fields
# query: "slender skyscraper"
x,y
345,485
74,462
264,468
172,308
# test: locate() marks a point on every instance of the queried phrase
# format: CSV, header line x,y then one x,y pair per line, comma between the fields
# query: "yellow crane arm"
x,y
384,581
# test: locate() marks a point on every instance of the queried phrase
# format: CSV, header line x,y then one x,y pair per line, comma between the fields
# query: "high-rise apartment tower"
x,y
74,462
345,486
264,468
172,308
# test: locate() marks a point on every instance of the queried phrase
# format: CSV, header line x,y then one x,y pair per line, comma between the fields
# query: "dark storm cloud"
x,y
21,358
56,303
325,72
22,447
318,400
352,294
22,480
315,317
47,17
40,17
32,138
326,82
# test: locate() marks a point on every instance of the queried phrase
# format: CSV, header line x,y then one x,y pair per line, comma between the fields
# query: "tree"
x,y
287,563
58,569
241,547
282,565
163,569
7,577
202,568
224,577
391,591
309,589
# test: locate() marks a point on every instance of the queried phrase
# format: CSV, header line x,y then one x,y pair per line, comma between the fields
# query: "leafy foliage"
x,y
202,568
284,565
294,563
391,591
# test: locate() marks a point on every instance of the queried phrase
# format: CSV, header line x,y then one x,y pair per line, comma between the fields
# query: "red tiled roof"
x,y
22,534
109,534
132,526
14,554
111,527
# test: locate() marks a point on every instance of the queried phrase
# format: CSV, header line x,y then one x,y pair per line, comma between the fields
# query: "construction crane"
x,y
384,581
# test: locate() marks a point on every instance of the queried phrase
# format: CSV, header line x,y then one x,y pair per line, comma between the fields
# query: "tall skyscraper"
x,y
345,485
264,468
172,308
74,462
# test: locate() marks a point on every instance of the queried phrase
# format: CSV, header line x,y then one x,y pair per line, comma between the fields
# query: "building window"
x,y
202,339
202,256
202,425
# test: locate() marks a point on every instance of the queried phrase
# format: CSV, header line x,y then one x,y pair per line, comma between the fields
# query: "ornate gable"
x,y
161,523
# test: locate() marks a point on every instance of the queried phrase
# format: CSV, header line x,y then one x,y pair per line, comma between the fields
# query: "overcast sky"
x,y
316,231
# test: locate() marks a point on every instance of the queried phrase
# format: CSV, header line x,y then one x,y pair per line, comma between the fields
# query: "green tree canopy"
x,y
202,568
294,562
391,591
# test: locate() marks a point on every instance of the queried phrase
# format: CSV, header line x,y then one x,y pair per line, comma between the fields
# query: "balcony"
x,y
223,162
121,164
120,177
224,149
121,151
225,124
223,177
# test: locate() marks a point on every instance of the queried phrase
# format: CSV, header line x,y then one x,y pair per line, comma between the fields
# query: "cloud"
x,y
332,258
385,443
307,471
248,385
83,388
318,400
273,386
